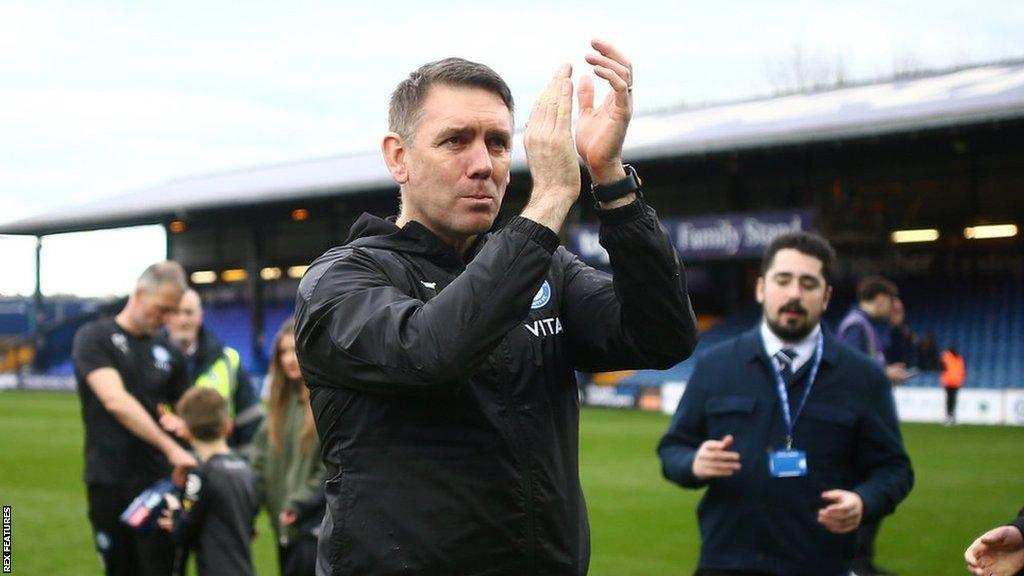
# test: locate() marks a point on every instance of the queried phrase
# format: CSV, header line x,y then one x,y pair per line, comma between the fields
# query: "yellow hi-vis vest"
x,y
222,376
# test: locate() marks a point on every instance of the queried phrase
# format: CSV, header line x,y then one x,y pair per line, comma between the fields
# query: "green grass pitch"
x,y
969,478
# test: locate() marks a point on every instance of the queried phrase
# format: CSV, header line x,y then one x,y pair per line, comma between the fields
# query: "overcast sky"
x,y
100,98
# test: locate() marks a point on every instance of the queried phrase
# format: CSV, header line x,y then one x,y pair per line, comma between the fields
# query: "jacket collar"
x,y
413,238
208,351
752,348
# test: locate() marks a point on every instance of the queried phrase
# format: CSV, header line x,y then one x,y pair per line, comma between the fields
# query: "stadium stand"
x,y
232,324
985,320
941,150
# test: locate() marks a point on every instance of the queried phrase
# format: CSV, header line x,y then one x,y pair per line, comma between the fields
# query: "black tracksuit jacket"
x,y
445,395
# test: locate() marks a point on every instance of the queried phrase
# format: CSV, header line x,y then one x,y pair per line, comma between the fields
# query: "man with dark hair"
x,y
440,356
868,328
794,435
124,371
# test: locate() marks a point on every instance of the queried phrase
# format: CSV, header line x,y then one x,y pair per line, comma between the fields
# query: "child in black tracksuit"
x,y
218,506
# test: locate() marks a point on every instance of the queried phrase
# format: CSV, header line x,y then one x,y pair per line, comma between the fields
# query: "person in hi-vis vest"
x,y
954,371
216,366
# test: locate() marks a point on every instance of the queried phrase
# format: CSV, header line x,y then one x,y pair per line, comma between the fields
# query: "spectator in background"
x,y
868,325
928,353
998,552
213,365
286,459
215,515
868,328
794,435
954,371
903,341
124,369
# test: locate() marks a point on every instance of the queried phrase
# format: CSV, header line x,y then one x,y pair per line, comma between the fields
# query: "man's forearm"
x,y
130,413
650,283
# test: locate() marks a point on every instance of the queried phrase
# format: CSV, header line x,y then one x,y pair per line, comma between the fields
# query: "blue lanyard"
x,y
780,386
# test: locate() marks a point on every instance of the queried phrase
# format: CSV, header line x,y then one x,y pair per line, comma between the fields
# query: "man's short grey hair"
x,y
404,110
166,272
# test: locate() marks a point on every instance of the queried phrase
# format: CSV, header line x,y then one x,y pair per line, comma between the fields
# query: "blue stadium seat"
x,y
985,319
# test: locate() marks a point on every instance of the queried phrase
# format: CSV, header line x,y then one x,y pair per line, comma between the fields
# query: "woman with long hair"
x,y
289,470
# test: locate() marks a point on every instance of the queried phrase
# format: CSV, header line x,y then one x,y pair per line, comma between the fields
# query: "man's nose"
x,y
480,165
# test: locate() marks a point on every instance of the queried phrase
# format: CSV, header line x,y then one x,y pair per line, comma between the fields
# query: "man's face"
x,y
155,307
183,326
793,294
455,170
898,314
883,305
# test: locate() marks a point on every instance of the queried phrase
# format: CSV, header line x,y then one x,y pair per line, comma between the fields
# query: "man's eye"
x,y
454,141
498,144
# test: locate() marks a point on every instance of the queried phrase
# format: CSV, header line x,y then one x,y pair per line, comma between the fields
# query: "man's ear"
x,y
828,297
393,149
229,427
759,290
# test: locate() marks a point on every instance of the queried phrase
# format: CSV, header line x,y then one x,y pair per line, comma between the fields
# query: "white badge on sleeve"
x,y
787,463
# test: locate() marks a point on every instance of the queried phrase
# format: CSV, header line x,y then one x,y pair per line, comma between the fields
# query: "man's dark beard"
x,y
791,334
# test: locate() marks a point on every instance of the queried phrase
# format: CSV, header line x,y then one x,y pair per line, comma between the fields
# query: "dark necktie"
x,y
785,358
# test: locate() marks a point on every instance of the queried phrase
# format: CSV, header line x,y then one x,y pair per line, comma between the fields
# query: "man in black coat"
x,y
794,434
441,358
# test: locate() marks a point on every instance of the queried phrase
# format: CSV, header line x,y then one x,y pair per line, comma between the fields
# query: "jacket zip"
x,y
525,468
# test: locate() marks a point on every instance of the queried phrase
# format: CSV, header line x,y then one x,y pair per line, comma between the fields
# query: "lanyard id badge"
x,y
790,463
787,463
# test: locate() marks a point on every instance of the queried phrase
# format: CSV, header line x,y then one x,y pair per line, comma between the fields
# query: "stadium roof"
x,y
965,96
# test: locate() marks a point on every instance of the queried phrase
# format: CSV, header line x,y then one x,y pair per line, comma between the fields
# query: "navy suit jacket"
x,y
849,430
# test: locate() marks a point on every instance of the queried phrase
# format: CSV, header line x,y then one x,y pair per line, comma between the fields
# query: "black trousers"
x,y
123,551
298,558
951,402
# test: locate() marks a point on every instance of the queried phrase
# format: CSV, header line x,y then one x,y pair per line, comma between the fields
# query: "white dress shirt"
x,y
804,348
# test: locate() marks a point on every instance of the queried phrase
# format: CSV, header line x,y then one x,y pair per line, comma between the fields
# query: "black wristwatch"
x,y
610,192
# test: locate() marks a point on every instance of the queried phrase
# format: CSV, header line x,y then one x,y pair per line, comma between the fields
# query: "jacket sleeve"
x,y
249,411
882,459
686,432
313,483
189,519
639,318
260,446
355,328
1018,522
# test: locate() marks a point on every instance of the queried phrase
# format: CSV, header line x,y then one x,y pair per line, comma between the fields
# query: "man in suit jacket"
x,y
794,434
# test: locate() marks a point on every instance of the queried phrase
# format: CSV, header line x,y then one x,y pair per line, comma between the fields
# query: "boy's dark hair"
x,y
205,412
872,286
805,243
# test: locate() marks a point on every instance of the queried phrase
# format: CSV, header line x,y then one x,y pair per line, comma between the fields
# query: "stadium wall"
x,y
989,407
